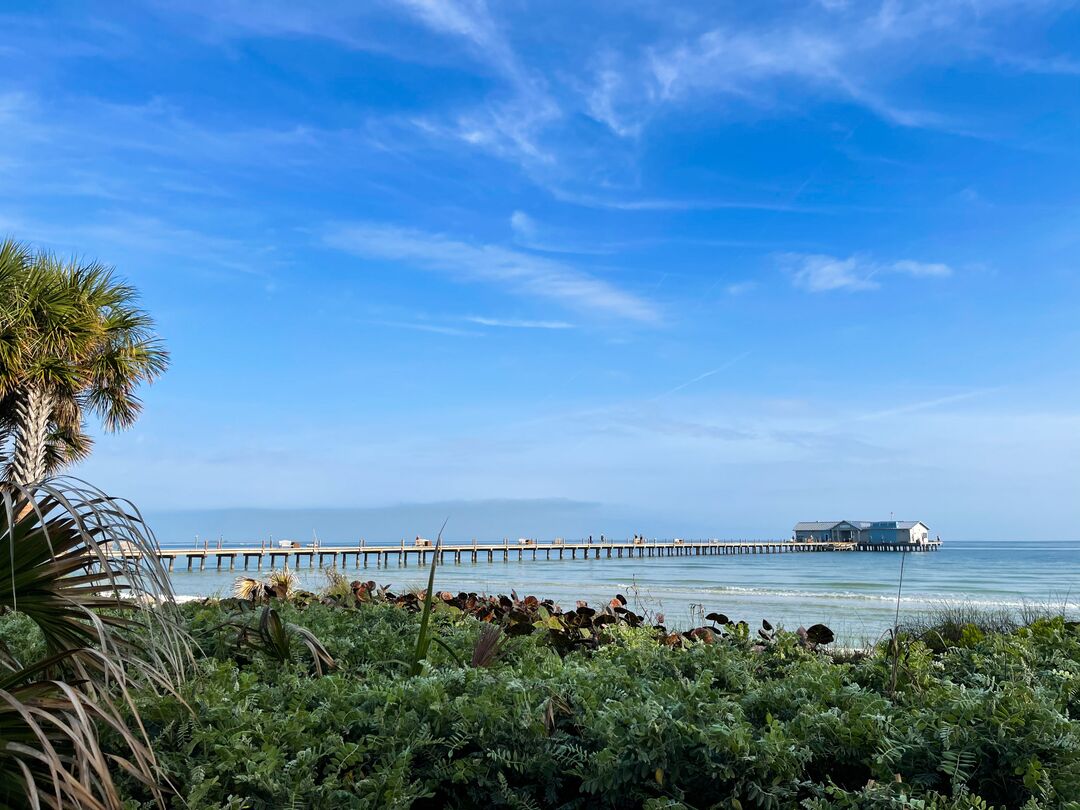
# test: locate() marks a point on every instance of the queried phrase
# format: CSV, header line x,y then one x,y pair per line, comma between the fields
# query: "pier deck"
x,y
363,555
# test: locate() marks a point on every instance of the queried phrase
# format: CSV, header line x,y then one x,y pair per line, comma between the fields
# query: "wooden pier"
x,y
930,545
363,555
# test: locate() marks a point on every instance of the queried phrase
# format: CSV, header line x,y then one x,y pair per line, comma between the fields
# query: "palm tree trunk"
x,y
32,414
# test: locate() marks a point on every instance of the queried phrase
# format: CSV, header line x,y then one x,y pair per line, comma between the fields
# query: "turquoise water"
x,y
853,592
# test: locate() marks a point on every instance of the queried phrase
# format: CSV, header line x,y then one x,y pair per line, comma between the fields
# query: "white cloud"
x,y
523,225
341,23
510,126
822,273
921,268
471,21
115,236
522,273
514,323
602,103
816,273
733,61
835,48
151,130
740,287
589,200
426,327
922,405
542,238
845,50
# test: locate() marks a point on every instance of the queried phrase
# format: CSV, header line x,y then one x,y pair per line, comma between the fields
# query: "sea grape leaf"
x,y
819,634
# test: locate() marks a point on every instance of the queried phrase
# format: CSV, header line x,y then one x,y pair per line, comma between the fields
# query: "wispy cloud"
x,y
734,61
345,24
602,103
522,273
155,132
471,21
523,225
508,128
923,405
543,238
816,273
740,287
516,323
630,203
114,234
834,51
700,377
531,110
1025,63
418,326
508,125
921,268
821,273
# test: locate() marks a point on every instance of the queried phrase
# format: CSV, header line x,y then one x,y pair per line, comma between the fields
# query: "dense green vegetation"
x,y
727,721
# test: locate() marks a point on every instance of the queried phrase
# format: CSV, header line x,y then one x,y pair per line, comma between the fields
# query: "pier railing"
x,y
363,555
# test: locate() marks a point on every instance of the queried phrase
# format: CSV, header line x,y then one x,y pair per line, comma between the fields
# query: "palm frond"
x,y
282,583
274,638
70,329
50,754
84,568
247,588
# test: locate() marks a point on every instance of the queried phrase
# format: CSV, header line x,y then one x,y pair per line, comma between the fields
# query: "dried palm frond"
x,y
85,569
338,587
49,750
247,588
282,583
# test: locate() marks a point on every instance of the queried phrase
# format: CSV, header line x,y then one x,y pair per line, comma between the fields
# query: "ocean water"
x,y
855,593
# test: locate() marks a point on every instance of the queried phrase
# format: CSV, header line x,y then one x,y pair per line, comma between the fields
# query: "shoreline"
x,y
853,632
854,593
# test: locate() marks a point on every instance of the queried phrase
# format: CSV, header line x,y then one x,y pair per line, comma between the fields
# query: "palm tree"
x,y
72,341
15,261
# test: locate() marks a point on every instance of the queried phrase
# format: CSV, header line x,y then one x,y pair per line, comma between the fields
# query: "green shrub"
x,y
630,724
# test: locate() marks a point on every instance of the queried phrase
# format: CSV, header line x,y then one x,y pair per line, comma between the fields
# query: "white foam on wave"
x,y
807,595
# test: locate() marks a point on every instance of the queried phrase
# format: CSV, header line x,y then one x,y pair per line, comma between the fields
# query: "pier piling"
x,y
604,549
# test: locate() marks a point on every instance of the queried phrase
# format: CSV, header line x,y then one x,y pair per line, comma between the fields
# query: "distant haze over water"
x,y
486,520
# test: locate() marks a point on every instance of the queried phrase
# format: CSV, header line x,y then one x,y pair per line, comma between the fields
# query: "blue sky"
x,y
698,268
